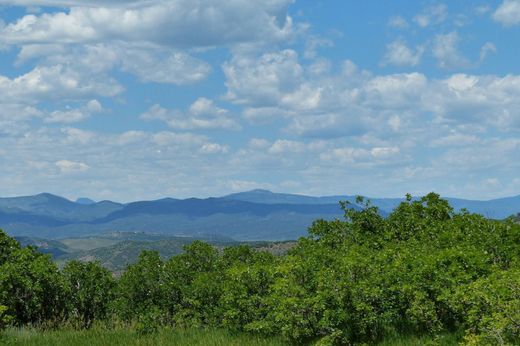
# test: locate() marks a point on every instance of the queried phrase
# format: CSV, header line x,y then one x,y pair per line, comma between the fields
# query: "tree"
x,y
32,288
90,291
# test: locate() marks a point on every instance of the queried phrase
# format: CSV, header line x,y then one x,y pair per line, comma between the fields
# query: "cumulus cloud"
x,y
357,102
56,82
262,80
432,15
398,22
176,23
486,49
71,3
72,115
446,51
508,13
399,54
214,148
67,166
149,64
175,68
202,114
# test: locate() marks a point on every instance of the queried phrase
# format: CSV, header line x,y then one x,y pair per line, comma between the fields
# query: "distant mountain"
x,y
85,201
58,208
49,216
268,197
246,216
495,208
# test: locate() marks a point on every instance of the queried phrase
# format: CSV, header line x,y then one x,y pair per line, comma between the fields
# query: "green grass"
x,y
412,340
125,337
99,336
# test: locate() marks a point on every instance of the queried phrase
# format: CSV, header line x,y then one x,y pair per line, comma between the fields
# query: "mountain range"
x,y
245,216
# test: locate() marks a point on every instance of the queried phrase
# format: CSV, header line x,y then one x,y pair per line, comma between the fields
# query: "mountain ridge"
x,y
245,216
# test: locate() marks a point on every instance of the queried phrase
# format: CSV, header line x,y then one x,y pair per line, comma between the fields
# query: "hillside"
x,y
115,250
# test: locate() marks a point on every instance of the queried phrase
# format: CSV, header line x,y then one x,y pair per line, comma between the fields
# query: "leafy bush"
x,y
90,291
5,319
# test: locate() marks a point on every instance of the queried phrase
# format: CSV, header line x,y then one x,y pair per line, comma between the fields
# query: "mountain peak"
x,y
260,191
50,196
85,201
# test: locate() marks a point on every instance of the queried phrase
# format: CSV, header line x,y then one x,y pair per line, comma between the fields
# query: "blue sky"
x,y
142,99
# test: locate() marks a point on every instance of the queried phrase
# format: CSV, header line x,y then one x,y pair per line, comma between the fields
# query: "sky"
x,y
143,99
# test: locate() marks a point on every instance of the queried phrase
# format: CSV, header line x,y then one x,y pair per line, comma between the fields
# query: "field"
x,y
102,337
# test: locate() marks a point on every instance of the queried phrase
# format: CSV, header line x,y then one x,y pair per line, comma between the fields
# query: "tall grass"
x,y
100,336
126,337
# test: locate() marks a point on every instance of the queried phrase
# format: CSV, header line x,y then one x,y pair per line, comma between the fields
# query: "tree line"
x,y
424,269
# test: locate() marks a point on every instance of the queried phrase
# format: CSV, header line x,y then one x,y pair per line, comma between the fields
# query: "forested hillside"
x,y
423,270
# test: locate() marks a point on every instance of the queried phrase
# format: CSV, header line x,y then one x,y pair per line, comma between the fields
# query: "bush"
x,y
90,290
5,319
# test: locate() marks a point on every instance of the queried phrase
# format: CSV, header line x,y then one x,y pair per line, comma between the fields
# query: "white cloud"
x,y
284,146
71,3
68,116
247,185
384,152
398,22
455,139
214,148
74,115
487,49
67,166
446,51
78,136
148,63
56,82
94,106
356,102
176,23
175,68
202,114
398,53
361,157
263,80
313,43
173,139
508,13
432,15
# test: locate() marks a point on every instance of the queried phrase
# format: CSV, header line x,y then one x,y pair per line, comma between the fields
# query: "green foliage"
x,y
90,291
5,319
141,287
492,307
32,288
7,246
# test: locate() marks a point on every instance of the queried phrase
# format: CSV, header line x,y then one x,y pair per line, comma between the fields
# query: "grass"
x,y
100,336
440,340
103,337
